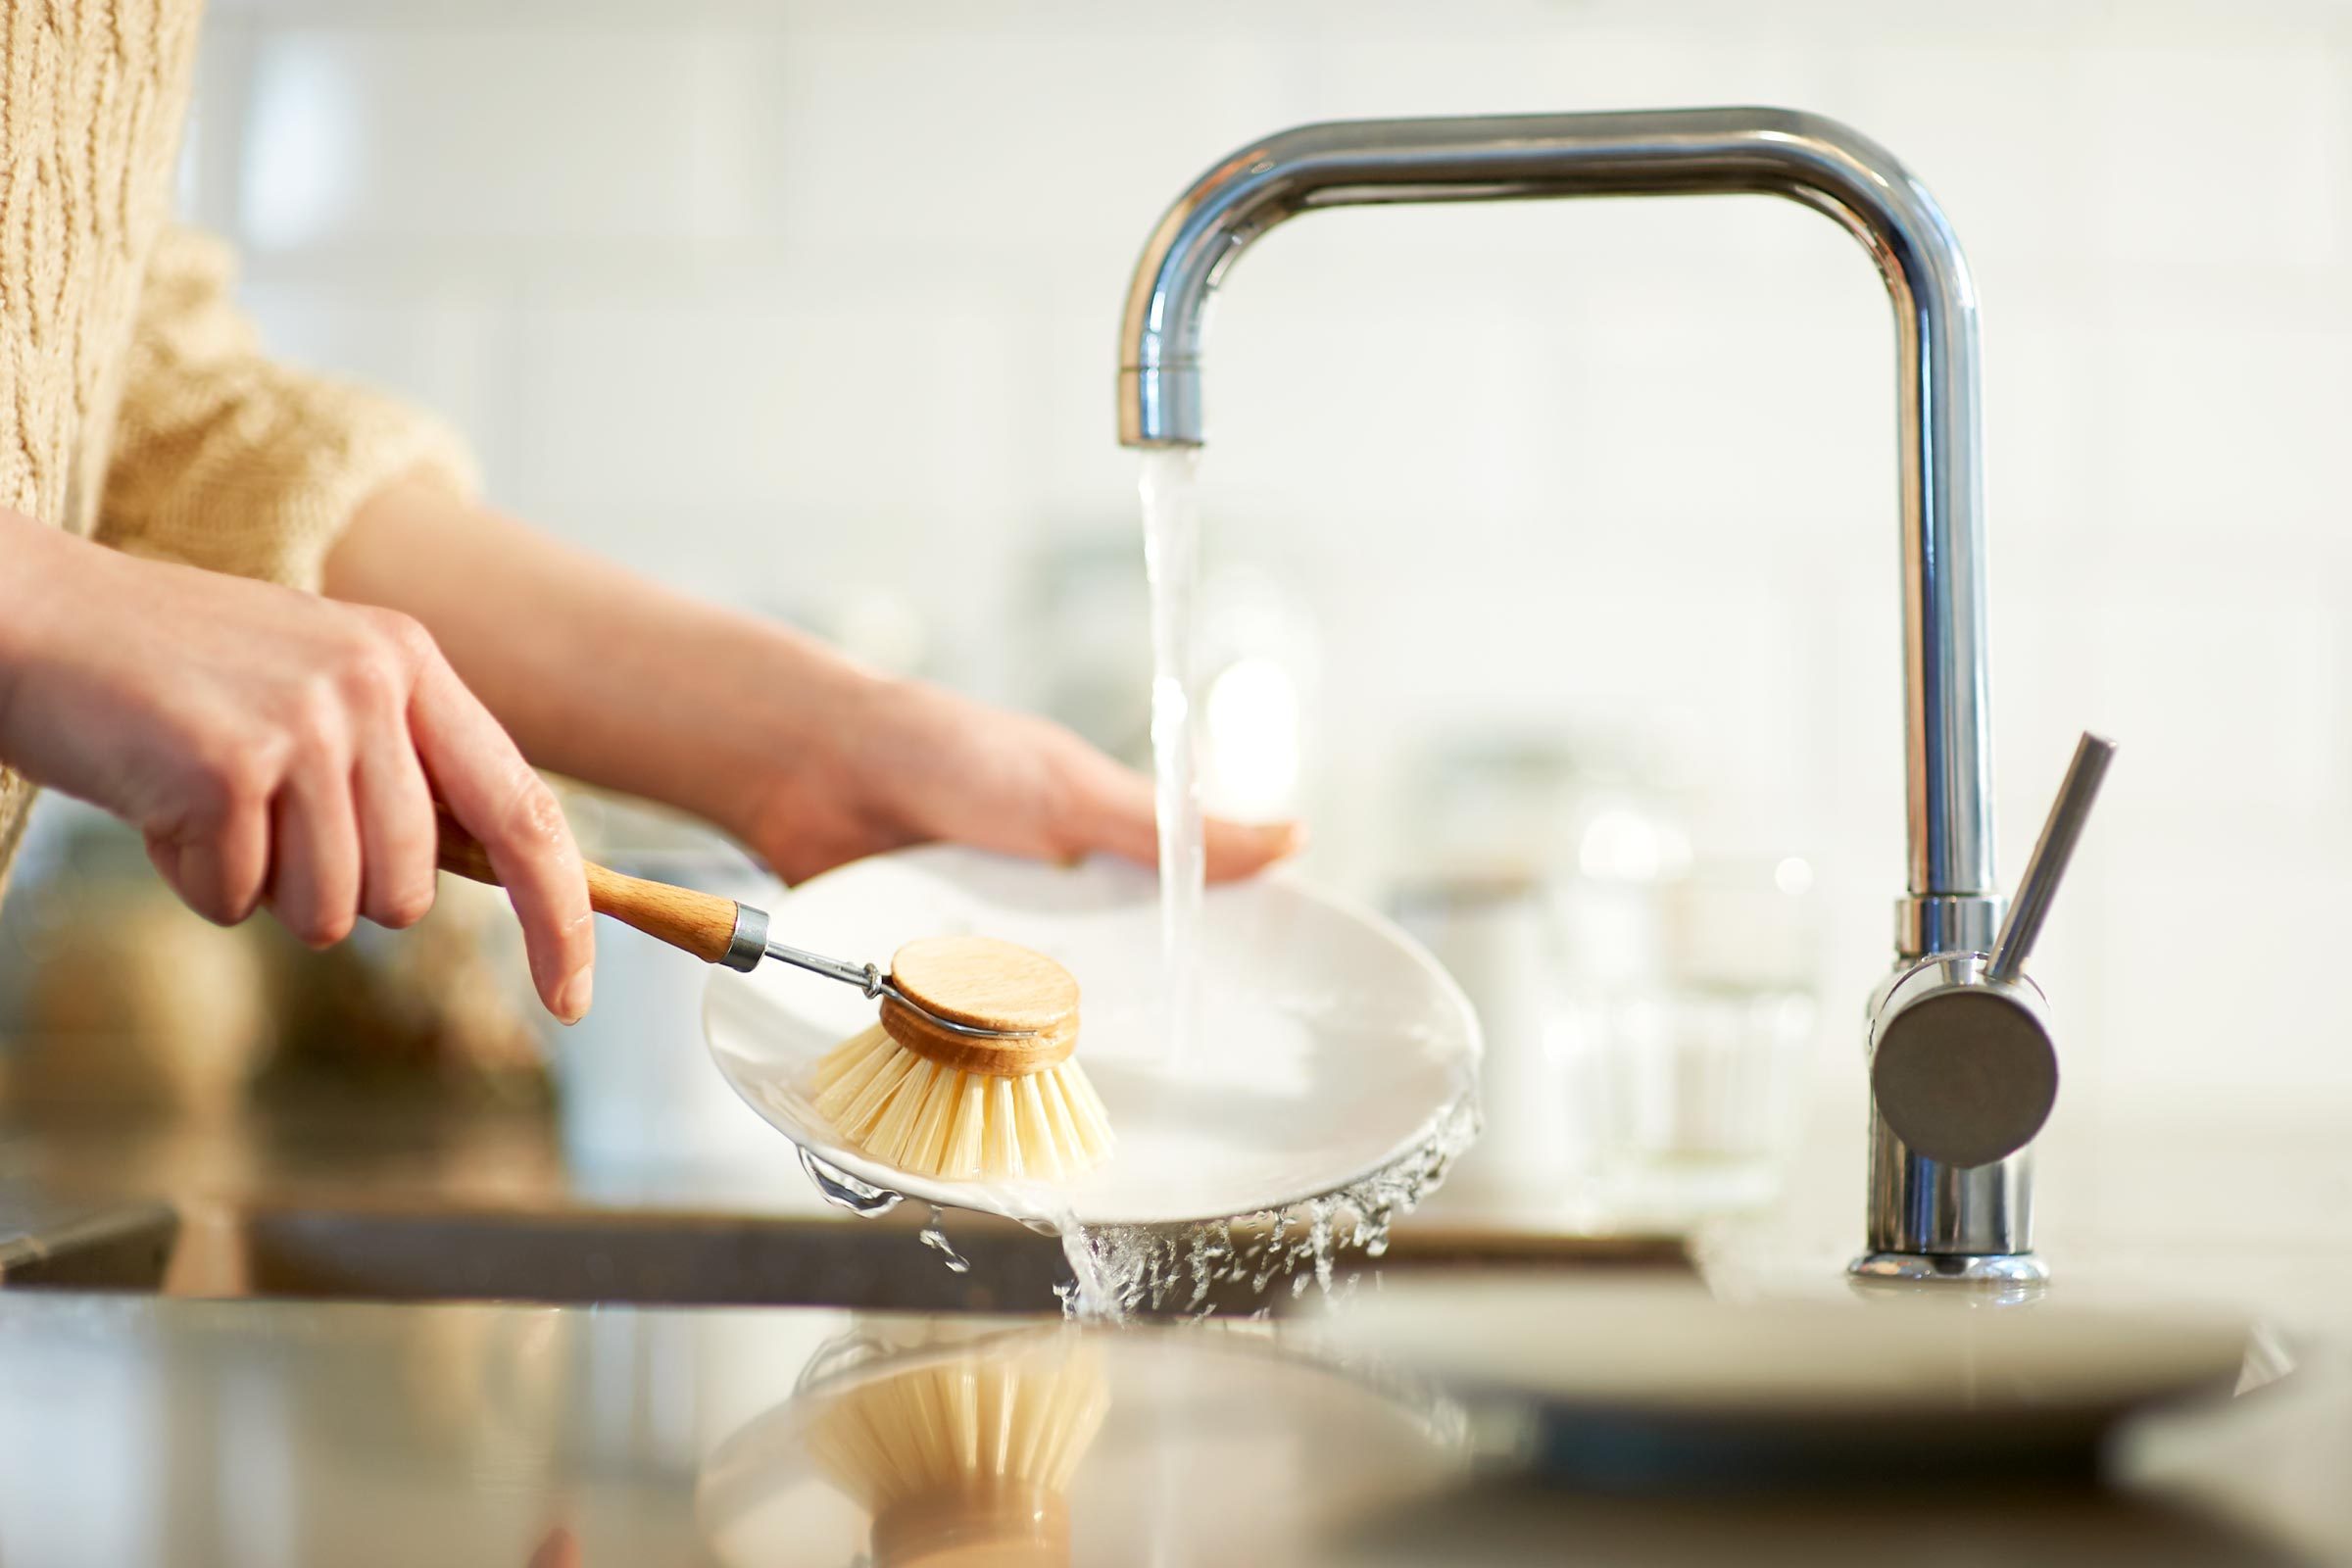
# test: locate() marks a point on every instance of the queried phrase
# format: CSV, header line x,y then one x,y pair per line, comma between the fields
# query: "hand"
x,y
273,748
767,733
897,763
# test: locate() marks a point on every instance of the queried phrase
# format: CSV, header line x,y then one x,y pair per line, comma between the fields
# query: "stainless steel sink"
x,y
89,1246
668,1258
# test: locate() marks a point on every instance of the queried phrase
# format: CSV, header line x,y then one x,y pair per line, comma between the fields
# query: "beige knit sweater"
x,y
135,406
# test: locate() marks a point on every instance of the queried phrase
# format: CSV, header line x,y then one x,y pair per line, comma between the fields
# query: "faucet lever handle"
x,y
2051,853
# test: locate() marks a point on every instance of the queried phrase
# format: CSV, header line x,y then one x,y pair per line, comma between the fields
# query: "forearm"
x,y
597,672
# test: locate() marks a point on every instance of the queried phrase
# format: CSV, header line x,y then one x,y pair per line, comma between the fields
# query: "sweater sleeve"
x,y
223,460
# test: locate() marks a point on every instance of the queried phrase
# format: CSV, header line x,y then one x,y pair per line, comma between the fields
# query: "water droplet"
x,y
935,1237
845,1190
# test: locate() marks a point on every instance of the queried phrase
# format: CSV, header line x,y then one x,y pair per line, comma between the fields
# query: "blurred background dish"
x,y
1660,1389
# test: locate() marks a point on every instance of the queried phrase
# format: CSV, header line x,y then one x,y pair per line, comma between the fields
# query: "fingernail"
x,y
578,992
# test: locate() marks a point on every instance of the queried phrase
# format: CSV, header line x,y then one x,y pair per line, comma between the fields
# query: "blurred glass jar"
x,y
113,997
1700,1062
1085,658
1648,1009
638,1099
1500,937
1493,824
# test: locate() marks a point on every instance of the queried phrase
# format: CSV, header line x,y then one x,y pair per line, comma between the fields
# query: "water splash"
x,y
935,1237
1120,1270
1172,566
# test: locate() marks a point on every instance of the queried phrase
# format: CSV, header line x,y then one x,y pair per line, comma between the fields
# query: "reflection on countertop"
x,y
136,1428
138,1431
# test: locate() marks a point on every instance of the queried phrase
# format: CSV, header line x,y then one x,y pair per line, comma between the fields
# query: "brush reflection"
x,y
934,1441
970,1458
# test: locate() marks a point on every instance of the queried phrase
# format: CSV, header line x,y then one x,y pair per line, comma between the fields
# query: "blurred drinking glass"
x,y
1698,1058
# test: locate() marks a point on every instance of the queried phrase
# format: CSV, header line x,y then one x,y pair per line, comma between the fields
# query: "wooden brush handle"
x,y
700,923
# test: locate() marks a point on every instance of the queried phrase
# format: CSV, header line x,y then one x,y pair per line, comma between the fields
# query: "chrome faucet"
x,y
1964,1069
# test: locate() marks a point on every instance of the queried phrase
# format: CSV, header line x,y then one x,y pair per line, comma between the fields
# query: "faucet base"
x,y
1946,922
1979,1268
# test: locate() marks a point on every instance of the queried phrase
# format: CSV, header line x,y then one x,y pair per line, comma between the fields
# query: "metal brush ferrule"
x,y
749,944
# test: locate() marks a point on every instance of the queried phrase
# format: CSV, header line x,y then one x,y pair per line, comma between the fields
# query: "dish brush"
x,y
1008,1105
969,1072
968,1460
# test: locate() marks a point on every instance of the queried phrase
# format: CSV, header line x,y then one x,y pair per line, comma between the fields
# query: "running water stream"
x,y
1172,565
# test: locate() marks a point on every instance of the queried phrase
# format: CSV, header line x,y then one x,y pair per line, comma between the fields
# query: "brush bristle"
x,y
919,1117
978,1421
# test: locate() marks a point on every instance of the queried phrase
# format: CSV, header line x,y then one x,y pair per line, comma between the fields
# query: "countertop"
x,y
133,1431
136,1428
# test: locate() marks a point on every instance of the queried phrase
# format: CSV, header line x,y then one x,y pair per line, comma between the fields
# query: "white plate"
x,y
1328,1044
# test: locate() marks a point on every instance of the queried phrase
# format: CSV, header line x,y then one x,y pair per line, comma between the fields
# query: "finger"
x,y
1110,811
220,871
1237,850
495,796
1117,815
164,856
397,849
315,866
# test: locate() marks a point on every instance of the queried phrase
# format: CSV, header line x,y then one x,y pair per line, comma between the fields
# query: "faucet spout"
x,y
1951,905
1964,1065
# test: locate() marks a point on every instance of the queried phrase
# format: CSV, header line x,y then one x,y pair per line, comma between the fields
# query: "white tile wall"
x,y
2187,118
369,132
449,344
2221,420
800,299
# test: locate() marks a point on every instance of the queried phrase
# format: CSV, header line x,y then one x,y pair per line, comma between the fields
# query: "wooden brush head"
x,y
1004,1525
986,984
